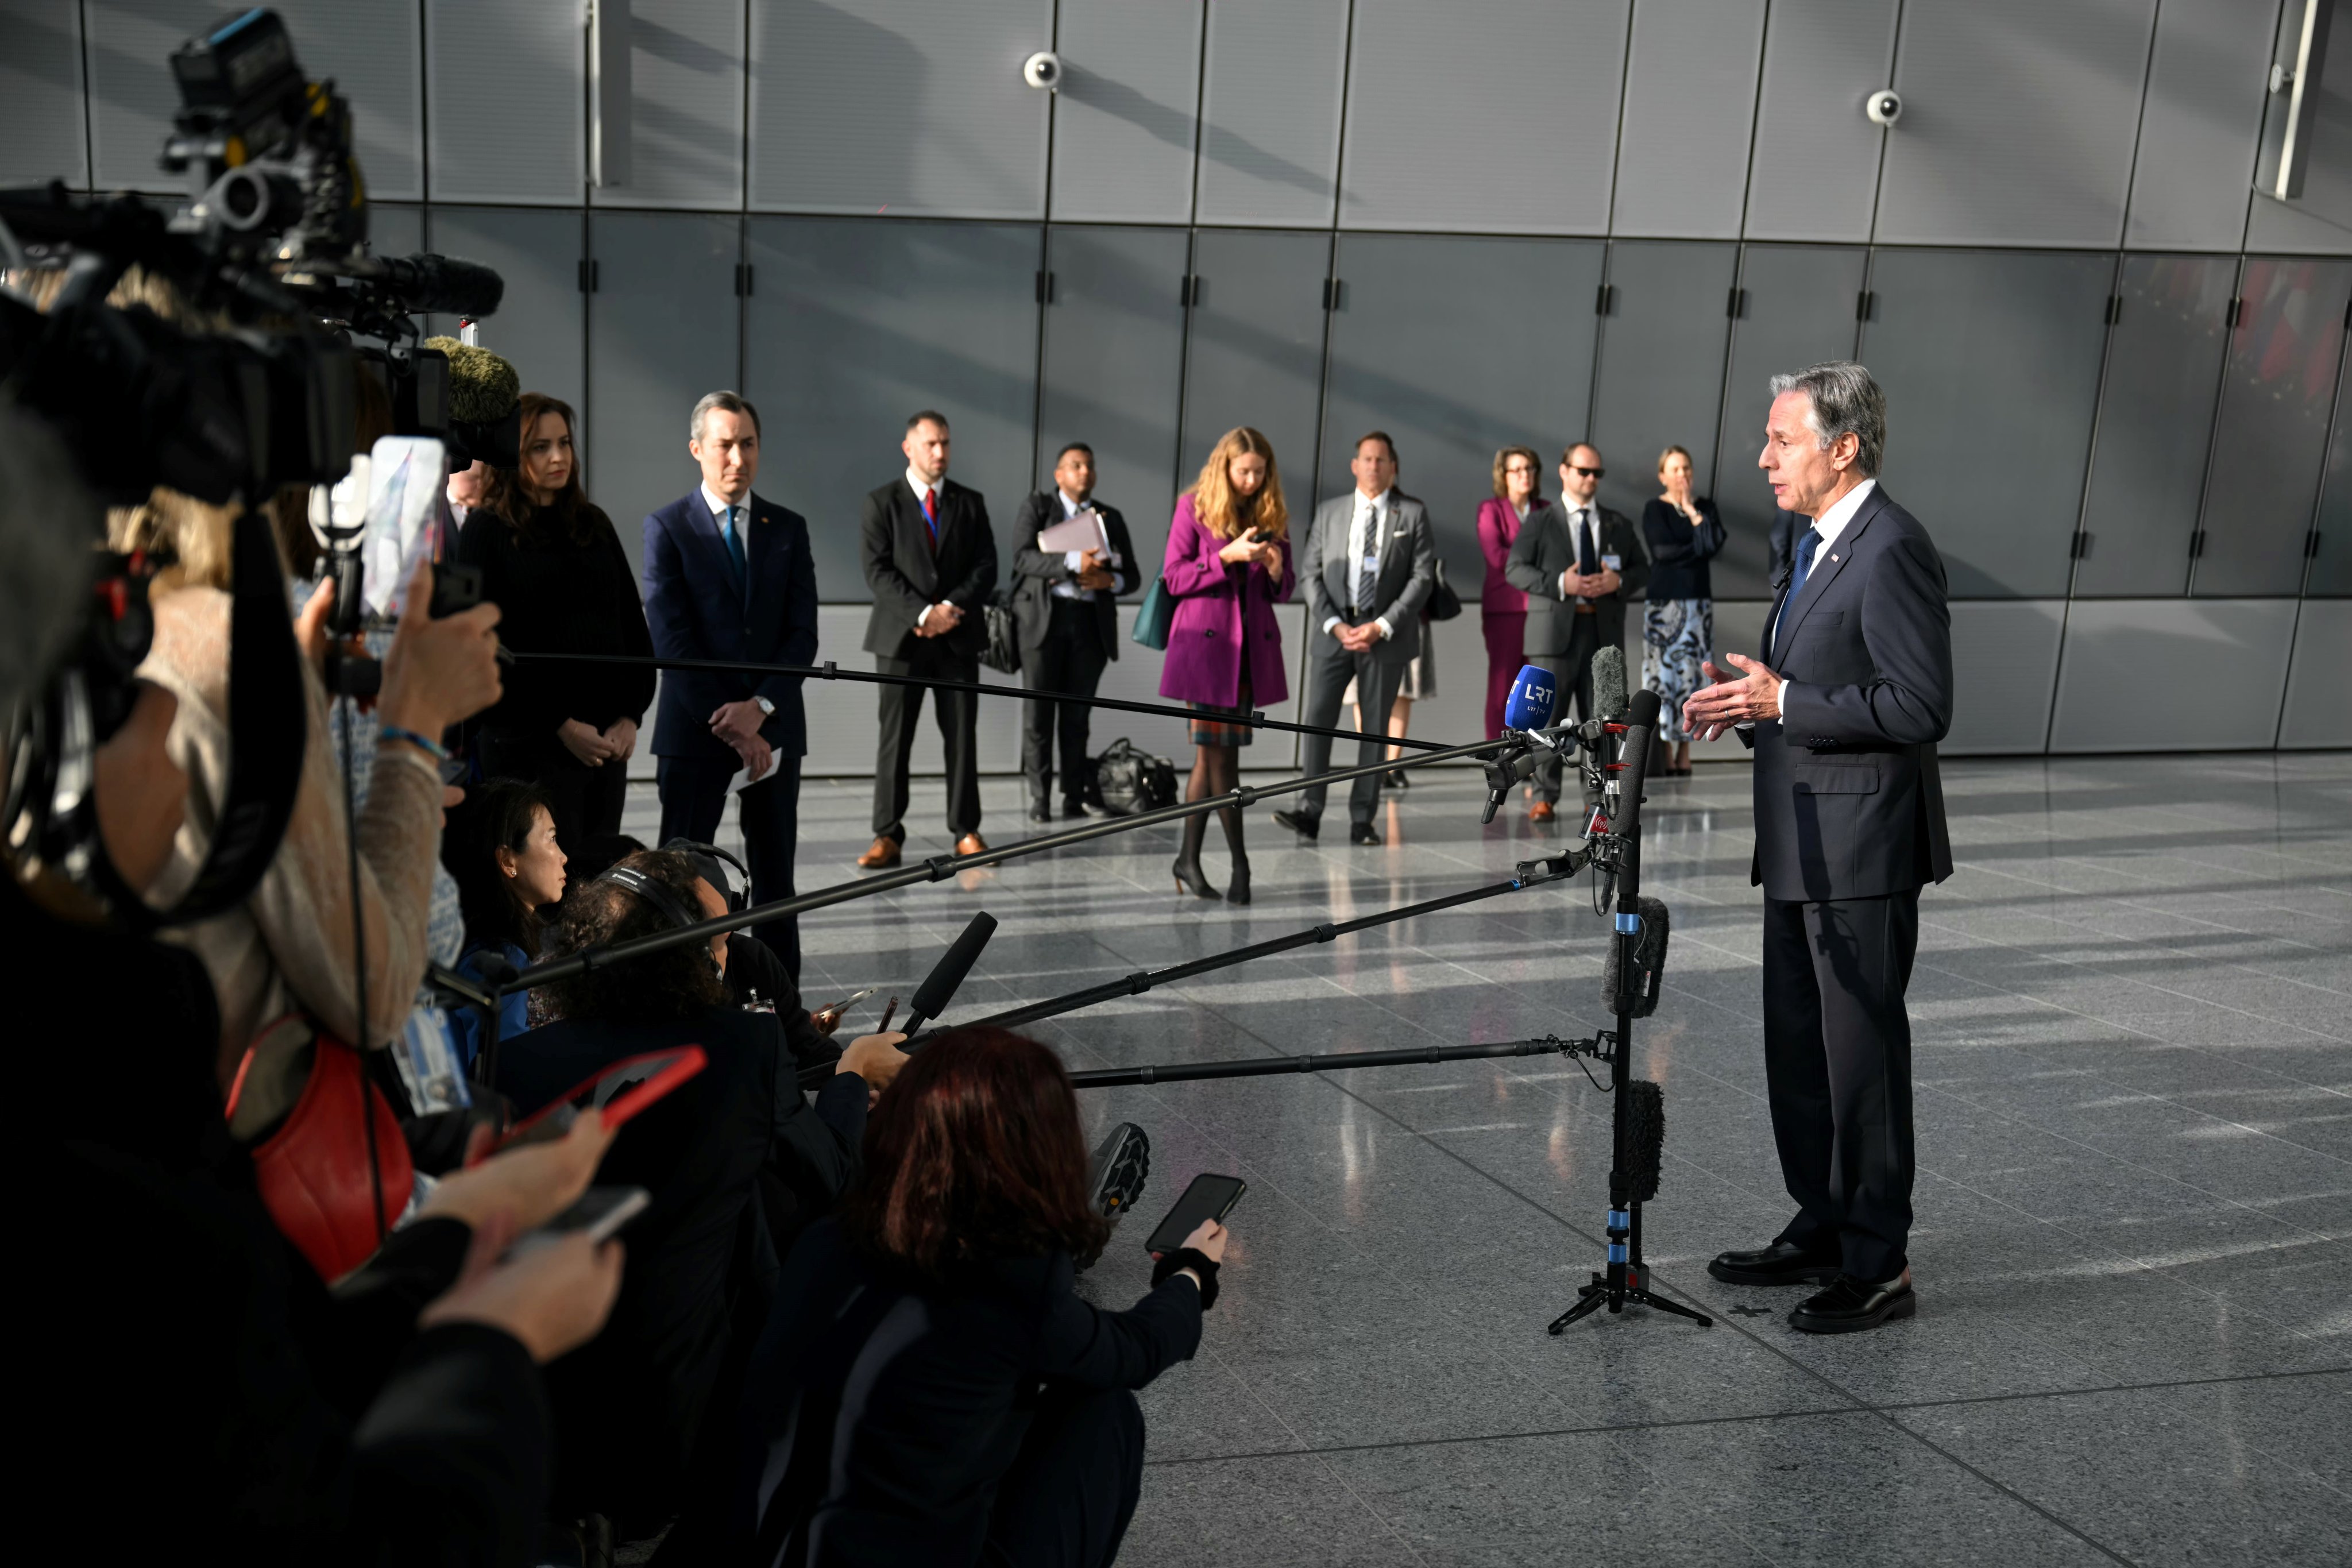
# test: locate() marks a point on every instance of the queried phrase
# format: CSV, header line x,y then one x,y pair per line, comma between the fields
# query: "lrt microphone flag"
x,y
1533,695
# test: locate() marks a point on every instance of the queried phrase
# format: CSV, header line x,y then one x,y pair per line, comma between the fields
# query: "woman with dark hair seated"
x,y
630,1408
930,1390
501,848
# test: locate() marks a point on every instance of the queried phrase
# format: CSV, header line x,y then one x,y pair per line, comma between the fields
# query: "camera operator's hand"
x,y
311,626
552,1298
438,673
531,1184
585,742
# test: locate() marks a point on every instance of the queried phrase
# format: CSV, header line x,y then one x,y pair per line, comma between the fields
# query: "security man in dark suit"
x,y
729,576
1843,711
930,561
1065,608
1578,562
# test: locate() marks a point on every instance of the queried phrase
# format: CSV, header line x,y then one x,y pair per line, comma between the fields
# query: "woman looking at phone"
x,y
985,1412
1228,564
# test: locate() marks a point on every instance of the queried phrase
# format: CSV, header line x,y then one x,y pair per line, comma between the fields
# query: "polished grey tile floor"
x,y
2133,1006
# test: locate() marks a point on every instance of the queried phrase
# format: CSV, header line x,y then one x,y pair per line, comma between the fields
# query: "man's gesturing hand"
x,y
1714,709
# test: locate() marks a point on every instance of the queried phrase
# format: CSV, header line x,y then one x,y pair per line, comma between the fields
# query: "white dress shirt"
x,y
1365,525
923,487
720,509
1070,558
1829,525
1581,517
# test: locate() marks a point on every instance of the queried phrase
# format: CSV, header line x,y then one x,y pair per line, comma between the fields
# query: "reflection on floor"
x,y
2134,1252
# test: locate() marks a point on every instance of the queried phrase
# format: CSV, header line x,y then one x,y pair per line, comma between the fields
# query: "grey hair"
x,y
731,402
1845,400
51,529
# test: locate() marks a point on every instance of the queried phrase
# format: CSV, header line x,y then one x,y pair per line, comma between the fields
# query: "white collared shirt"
x,y
1583,515
719,508
921,486
1365,531
1070,558
1829,525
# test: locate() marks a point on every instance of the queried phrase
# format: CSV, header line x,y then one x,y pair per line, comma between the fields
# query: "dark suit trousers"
x,y
1376,687
1572,676
1837,1066
959,720
694,802
1071,659
1073,1488
586,801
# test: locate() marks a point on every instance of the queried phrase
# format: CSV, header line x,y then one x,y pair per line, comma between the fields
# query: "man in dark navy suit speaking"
x,y
1843,708
727,576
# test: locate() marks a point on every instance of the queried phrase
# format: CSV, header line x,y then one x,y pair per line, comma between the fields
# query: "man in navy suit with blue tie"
x,y
727,576
1842,710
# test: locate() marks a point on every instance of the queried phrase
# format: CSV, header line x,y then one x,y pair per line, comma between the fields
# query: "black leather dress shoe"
x,y
1038,813
1850,1305
1072,810
1362,833
1298,822
1782,1263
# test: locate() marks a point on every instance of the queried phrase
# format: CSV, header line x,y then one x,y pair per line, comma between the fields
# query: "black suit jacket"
x,y
1849,802
895,543
696,611
1035,573
1545,548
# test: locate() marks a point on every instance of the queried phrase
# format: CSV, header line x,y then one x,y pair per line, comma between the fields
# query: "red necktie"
x,y
931,518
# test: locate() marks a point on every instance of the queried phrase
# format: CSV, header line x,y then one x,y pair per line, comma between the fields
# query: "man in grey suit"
x,y
1842,710
1578,563
1368,565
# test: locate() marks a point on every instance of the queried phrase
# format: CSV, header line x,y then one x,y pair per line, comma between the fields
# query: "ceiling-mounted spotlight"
x,y
1884,107
1043,70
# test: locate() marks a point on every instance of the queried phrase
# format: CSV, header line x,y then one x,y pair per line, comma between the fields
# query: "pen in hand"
x,y
884,1027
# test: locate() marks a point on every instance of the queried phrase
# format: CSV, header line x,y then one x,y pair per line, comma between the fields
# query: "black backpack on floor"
x,y
1128,781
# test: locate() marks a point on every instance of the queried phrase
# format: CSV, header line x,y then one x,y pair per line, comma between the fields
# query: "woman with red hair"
x,y
930,1389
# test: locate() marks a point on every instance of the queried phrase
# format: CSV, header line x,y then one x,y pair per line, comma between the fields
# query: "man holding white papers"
x,y
1073,560
729,576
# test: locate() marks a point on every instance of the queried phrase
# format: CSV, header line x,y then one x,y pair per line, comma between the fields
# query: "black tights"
x,y
1217,769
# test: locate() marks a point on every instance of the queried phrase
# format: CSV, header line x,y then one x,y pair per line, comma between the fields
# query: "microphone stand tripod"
x,y
1623,1281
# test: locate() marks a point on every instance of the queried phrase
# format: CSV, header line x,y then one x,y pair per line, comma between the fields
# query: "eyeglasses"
x,y
1588,473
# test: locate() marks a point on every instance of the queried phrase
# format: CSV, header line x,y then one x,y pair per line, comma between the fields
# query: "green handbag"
x,y
1156,617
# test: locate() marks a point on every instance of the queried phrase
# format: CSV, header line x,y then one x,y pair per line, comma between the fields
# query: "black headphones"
x,y
666,902
706,858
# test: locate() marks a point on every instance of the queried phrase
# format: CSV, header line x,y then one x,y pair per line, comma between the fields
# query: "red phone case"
x,y
679,1063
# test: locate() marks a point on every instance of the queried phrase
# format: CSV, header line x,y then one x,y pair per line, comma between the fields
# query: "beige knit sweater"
x,y
288,947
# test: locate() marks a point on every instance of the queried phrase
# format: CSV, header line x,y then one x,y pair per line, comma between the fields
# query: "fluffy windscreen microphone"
x,y
939,987
485,394
1649,963
1609,698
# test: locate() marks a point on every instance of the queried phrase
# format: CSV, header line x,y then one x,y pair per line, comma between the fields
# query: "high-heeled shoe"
x,y
1190,878
1239,893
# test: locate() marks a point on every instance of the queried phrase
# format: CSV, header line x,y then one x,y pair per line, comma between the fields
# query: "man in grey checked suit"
x,y
1369,565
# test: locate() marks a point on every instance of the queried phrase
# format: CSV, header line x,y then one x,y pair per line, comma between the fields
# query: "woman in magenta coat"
x,y
1228,564
1502,609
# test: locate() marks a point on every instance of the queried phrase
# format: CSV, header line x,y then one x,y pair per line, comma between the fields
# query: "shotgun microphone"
x,y
939,987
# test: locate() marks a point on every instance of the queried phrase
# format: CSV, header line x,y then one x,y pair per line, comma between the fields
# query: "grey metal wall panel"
x,y
2004,671
907,107
541,323
2316,713
2018,122
1114,363
2271,442
685,107
505,99
1799,311
44,135
395,229
1126,120
131,96
1987,351
1814,171
2199,123
2153,675
1456,347
1661,357
1690,104
851,327
1254,352
375,53
1483,115
2156,424
2318,222
2331,569
664,328
1270,111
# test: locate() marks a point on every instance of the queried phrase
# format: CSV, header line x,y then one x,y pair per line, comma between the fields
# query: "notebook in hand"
x,y
1083,532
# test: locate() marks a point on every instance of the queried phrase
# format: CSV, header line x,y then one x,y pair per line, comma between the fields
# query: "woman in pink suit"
x,y
1228,564
1502,609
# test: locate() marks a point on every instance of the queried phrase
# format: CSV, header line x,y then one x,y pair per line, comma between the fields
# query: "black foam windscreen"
x,y
939,987
1649,963
1643,714
1609,683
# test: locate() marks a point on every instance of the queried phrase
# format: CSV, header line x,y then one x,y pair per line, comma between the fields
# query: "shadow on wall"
x,y
679,141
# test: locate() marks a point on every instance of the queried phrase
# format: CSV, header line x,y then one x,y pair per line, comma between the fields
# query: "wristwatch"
x,y
765,706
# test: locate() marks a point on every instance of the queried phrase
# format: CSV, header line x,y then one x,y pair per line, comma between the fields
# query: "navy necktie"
x,y
733,530
1588,560
1806,546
